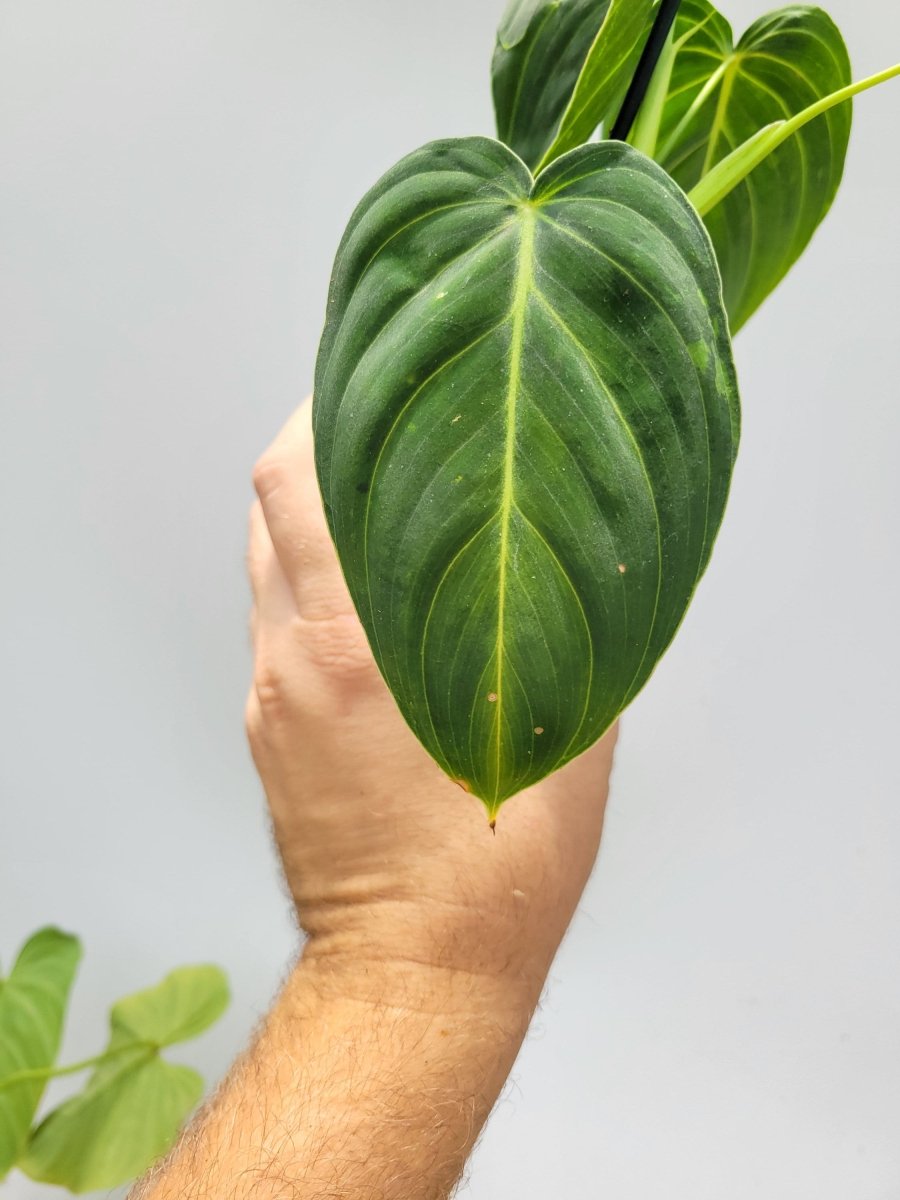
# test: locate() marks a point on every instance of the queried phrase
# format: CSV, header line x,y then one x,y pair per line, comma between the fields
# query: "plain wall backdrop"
x,y
724,1019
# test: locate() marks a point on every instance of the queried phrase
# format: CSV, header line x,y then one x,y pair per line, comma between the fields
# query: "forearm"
x,y
429,940
367,1082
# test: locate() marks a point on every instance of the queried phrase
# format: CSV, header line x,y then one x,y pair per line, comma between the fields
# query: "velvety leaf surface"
x,y
560,68
541,48
135,1103
32,1009
722,94
525,417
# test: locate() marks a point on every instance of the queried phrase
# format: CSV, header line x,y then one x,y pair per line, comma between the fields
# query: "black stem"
x,y
634,98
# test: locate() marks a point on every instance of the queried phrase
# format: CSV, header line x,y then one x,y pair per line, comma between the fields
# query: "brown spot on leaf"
x,y
492,697
539,729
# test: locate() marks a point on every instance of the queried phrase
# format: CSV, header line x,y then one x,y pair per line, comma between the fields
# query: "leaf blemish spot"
x,y
622,568
456,418
492,697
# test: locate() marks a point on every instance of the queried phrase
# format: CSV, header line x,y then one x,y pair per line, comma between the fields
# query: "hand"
x,y
429,938
389,861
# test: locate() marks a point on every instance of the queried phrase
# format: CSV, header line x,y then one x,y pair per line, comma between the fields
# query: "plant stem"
x,y
644,134
634,98
44,1073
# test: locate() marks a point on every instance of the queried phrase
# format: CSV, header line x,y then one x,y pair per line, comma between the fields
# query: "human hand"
x,y
387,860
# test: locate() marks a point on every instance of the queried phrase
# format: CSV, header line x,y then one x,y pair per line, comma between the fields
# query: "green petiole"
x,y
734,169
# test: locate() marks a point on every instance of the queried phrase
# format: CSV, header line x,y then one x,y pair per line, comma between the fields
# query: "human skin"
x,y
428,937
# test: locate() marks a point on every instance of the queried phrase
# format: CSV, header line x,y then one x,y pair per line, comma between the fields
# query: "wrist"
x,y
424,958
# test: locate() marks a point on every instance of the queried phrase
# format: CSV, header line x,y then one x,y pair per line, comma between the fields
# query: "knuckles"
x,y
269,474
310,668
271,710
254,724
337,647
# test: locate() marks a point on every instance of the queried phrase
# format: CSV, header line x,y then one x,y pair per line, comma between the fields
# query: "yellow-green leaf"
x,y
135,1102
126,1119
33,1003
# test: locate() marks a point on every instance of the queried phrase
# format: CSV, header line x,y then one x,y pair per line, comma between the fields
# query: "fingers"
x,y
285,481
273,600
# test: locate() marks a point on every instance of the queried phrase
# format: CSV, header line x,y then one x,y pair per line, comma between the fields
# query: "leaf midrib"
x,y
718,122
523,287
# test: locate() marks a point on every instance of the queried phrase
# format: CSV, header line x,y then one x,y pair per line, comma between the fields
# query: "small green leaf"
x,y
560,68
525,418
32,1009
186,1003
135,1103
126,1119
720,97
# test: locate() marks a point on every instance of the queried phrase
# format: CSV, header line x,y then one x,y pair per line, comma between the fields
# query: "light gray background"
x,y
176,174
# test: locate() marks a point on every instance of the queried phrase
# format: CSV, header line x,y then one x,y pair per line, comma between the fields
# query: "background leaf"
x,y
182,1006
604,78
525,418
563,63
720,96
135,1103
32,1010
127,1118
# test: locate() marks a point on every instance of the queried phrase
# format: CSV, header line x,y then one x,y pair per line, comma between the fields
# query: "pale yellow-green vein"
x,y
524,278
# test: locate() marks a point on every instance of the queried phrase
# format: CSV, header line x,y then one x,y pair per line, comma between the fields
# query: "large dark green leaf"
x,y
720,96
525,418
135,1102
32,1008
560,68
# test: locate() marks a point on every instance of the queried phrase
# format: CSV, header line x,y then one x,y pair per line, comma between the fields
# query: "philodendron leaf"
x,y
729,172
720,96
526,416
33,1003
135,1102
126,1120
560,67
181,1007
541,48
